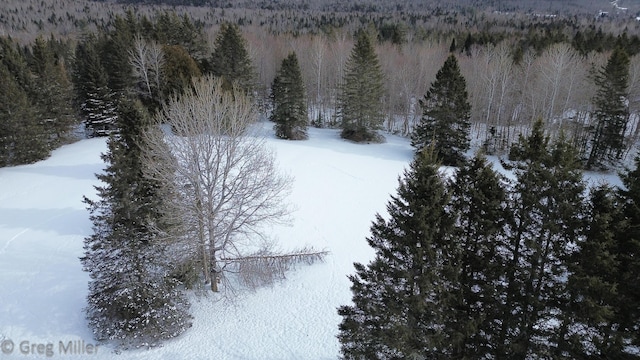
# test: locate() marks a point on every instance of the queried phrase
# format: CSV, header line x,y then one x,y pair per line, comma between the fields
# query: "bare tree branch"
x,y
222,182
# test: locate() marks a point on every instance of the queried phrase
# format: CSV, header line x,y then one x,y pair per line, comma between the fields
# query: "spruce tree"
x,y
52,91
479,203
628,255
548,211
399,298
360,98
611,115
131,300
230,59
23,138
289,107
588,321
97,100
445,115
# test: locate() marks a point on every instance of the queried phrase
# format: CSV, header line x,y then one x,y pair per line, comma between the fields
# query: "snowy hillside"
x,y
338,188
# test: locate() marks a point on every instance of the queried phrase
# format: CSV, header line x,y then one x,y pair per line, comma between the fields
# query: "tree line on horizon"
x,y
157,57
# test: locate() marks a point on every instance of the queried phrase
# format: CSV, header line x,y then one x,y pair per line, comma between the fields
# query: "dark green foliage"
x,y
360,99
230,59
23,136
479,202
288,97
628,251
445,115
400,297
173,30
132,299
115,54
97,100
548,215
52,92
588,320
179,68
611,111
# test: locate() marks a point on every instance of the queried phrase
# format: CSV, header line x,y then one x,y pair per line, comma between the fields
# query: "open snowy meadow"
x,y
339,186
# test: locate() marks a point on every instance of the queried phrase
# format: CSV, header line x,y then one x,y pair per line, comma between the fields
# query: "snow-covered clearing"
x,y
338,188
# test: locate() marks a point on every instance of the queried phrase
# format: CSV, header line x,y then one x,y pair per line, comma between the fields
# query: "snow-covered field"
x,y
338,188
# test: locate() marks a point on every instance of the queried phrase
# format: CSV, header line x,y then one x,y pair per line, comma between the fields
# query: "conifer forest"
x,y
492,246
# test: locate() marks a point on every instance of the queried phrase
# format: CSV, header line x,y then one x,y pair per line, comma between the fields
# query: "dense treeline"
x,y
36,109
480,266
517,68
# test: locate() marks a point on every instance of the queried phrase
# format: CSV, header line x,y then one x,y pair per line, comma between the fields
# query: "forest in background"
x,y
521,60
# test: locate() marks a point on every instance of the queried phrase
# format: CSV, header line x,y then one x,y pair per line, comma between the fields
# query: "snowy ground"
x,y
339,186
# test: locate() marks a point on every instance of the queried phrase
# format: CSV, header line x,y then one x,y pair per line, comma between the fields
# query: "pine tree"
x,y
399,299
289,107
359,102
230,59
19,133
588,320
115,54
628,255
479,202
97,100
131,298
52,92
612,111
23,138
548,211
445,117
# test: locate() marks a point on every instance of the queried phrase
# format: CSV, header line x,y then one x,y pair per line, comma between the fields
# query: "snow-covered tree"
x,y
132,299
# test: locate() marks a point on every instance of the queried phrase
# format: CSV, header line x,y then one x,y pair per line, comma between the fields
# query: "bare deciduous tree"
x,y
147,60
222,182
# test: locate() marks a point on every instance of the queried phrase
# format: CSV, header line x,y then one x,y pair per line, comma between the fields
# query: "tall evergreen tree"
x,y
445,115
479,203
131,300
230,59
548,209
23,139
97,100
289,107
611,115
53,93
628,256
588,321
115,54
359,102
398,310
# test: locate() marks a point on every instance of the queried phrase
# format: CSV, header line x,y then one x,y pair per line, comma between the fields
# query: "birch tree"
x,y
223,184
147,60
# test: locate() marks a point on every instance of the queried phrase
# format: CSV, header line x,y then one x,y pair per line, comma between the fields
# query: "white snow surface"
x,y
338,188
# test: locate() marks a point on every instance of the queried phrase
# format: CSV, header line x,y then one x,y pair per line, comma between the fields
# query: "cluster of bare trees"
x,y
507,96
